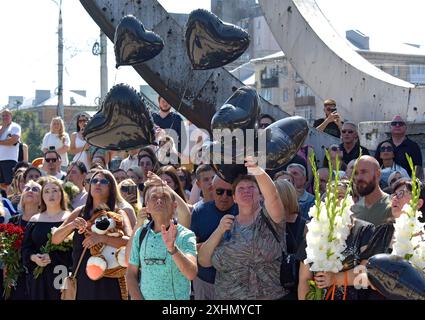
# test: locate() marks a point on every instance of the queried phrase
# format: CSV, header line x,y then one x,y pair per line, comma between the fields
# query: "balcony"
x,y
305,101
272,82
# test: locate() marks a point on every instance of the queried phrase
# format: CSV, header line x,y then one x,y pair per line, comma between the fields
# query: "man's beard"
x,y
368,189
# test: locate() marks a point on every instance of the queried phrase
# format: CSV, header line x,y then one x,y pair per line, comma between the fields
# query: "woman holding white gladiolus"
x,y
403,234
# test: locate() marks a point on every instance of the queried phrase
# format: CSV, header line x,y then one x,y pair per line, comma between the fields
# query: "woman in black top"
x,y
102,190
29,205
53,211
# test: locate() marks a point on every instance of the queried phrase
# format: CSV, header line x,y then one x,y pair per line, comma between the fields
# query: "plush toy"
x,y
105,260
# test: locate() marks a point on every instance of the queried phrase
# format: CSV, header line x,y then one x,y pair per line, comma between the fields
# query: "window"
x,y
396,71
417,74
285,95
259,24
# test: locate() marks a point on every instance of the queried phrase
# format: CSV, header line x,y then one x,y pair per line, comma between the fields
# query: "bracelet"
x,y
173,252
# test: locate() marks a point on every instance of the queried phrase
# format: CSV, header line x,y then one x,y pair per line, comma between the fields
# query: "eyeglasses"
x,y
334,148
347,131
397,123
33,189
220,192
264,125
154,261
128,189
50,160
400,193
101,181
182,178
387,149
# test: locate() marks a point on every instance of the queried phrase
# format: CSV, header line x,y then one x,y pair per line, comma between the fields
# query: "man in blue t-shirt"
x,y
167,119
205,219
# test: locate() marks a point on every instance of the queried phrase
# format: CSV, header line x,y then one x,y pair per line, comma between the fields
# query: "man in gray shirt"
x,y
374,205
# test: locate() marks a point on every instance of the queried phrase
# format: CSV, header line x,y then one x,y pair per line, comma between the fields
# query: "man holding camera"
x,y
10,133
332,124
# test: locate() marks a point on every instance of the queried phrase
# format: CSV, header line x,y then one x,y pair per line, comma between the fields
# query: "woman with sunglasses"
x,y
386,157
185,179
53,211
79,147
243,249
29,205
102,190
382,239
334,152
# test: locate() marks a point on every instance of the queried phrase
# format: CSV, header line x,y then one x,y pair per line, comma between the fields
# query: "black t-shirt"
x,y
348,156
407,146
331,128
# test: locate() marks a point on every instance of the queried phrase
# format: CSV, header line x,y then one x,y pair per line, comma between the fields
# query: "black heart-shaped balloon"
x,y
133,44
228,164
211,43
282,139
240,111
396,278
122,123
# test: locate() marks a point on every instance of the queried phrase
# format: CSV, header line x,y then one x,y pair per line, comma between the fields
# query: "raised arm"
x,y
68,226
272,202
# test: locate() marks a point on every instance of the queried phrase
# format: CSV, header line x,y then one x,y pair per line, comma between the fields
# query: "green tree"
x,y
32,132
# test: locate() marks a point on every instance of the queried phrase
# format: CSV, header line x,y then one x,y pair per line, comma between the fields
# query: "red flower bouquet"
x,y
11,237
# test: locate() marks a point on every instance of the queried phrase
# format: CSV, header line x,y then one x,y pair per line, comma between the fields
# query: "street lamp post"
x,y
60,107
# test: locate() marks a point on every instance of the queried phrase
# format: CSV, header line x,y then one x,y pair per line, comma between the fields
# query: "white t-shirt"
x,y
127,163
52,139
10,152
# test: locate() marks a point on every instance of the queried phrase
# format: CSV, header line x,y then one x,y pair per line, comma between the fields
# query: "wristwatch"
x,y
173,252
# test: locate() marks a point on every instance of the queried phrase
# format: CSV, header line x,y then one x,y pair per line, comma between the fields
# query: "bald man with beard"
x,y
205,219
374,206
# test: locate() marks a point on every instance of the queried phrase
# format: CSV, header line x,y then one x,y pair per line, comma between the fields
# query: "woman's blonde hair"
x,y
288,195
138,205
61,132
21,206
17,178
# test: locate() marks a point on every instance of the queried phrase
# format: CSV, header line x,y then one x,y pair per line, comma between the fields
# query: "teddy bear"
x,y
105,260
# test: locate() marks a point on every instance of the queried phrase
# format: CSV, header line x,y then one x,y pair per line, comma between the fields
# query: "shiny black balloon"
x,y
396,278
283,139
211,43
133,44
228,164
122,123
240,111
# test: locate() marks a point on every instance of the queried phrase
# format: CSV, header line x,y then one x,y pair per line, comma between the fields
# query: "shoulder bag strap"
x,y
79,263
269,225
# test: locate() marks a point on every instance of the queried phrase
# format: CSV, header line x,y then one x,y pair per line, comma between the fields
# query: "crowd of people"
x,y
143,229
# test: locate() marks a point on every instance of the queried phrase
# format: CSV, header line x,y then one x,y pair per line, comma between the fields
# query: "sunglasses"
x,y
220,192
397,123
50,160
347,131
387,149
400,193
128,189
33,189
150,262
264,125
335,148
101,181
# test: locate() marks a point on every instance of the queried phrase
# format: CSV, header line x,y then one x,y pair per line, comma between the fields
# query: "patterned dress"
x,y
248,262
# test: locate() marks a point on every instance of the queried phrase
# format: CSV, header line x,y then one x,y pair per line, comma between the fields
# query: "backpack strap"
x,y
144,232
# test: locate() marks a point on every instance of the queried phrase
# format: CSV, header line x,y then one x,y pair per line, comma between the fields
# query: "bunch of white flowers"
x,y
326,236
408,230
408,242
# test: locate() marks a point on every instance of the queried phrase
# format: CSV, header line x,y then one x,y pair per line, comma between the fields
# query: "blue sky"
x,y
28,53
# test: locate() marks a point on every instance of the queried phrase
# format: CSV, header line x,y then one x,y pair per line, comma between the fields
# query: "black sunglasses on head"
x,y
220,192
387,149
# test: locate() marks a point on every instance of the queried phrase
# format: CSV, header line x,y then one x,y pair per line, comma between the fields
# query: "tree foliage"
x,y
32,132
